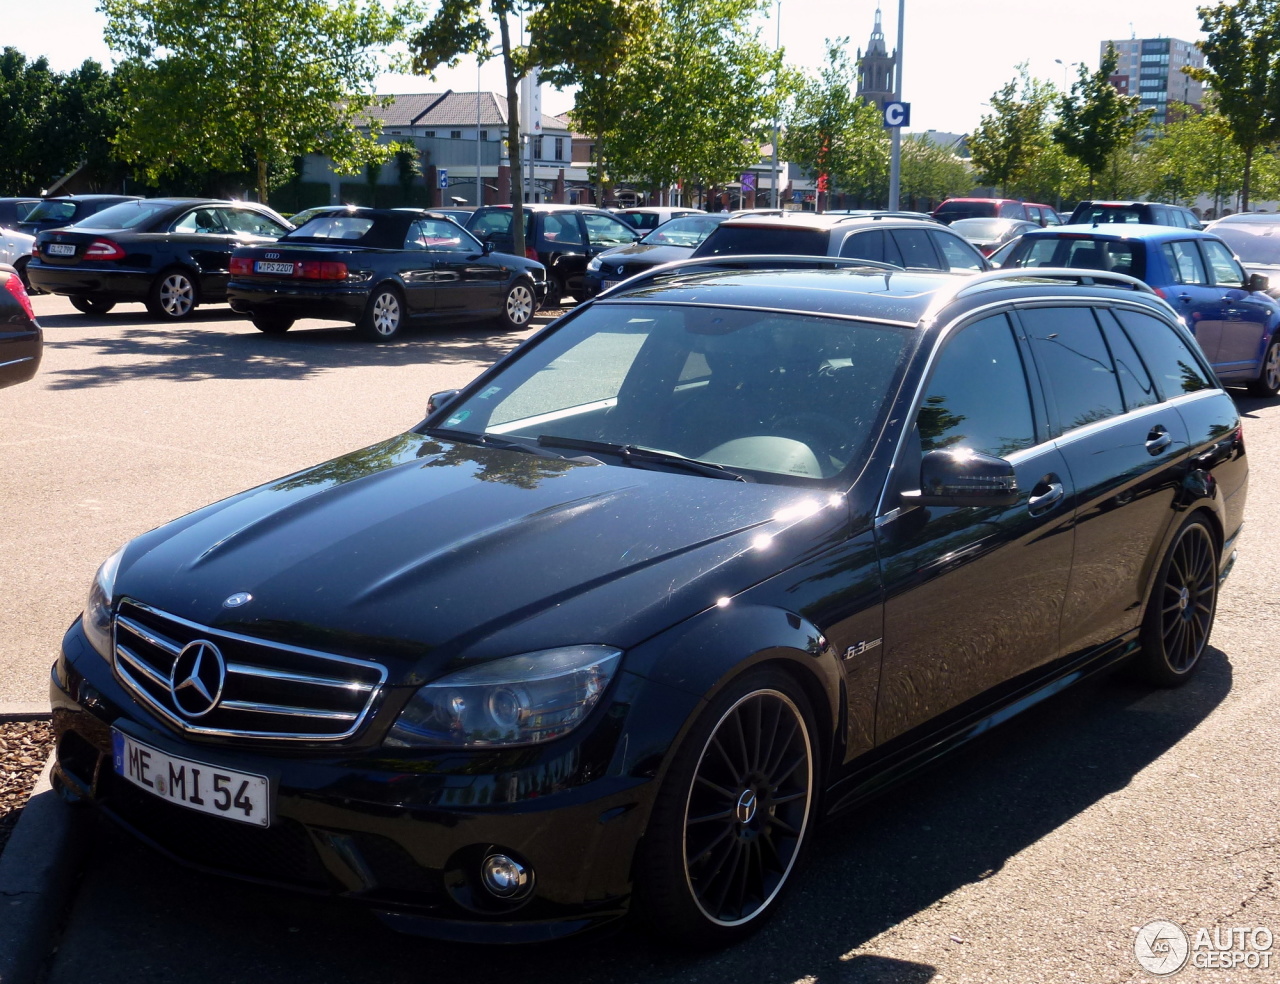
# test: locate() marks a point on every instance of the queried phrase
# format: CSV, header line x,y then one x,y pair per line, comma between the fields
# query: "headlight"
x,y
519,700
594,265
96,619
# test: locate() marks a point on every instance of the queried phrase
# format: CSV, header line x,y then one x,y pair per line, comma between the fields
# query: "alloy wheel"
x,y
177,295
386,314
748,808
1188,598
1271,368
519,305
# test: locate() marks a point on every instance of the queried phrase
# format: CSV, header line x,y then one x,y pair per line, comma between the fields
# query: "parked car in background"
x,y
563,238
1255,239
1146,213
171,254
988,235
15,250
65,210
381,269
1227,309
673,240
301,218
649,217
996,208
14,210
709,560
904,242
21,340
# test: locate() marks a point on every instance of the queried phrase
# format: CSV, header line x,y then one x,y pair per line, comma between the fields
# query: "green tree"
x,y
831,130
1095,120
408,170
273,78
28,94
695,111
930,172
1193,156
87,111
1242,55
1008,140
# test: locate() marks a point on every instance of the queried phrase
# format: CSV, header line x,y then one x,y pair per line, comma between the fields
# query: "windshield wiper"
x,y
527,445
638,457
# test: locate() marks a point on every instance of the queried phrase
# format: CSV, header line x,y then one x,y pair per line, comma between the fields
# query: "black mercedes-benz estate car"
x,y
705,561
379,269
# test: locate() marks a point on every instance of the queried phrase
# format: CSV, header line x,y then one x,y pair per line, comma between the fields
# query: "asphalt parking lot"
x,y
1035,855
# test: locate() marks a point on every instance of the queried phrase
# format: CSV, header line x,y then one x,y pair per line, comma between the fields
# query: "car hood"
x,y
425,555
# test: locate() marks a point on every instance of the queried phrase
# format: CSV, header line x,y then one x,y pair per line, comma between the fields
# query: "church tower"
x,y
876,69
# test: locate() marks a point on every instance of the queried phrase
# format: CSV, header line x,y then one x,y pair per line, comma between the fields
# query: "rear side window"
x,y
252,223
977,397
1074,364
873,245
563,230
957,255
1185,262
605,230
1135,382
491,224
916,248
1171,363
1012,210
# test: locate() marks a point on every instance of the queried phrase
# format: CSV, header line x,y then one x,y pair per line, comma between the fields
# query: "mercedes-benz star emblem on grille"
x,y
238,599
198,676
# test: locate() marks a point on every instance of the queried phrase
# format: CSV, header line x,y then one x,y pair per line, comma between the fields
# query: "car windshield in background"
x,y
688,230
126,215
966,210
981,228
1252,243
782,398
52,212
331,226
749,240
1101,215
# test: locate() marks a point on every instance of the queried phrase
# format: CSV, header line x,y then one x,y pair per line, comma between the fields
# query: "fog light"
x,y
505,877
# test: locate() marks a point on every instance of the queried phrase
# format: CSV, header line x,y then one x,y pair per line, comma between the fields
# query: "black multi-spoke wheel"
x,y
1180,611
733,815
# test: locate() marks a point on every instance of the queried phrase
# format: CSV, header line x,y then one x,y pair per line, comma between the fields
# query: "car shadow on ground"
x,y
202,349
866,873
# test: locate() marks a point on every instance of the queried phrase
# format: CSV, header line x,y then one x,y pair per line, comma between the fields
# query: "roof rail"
x,y
876,214
738,261
1082,277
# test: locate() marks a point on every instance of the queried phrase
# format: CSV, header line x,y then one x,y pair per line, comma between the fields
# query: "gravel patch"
x,y
24,748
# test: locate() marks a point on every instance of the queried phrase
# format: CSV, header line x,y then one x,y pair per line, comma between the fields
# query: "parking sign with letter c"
x,y
897,114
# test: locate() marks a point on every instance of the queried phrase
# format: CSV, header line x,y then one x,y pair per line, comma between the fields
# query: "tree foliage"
x,y
207,84
1095,120
931,172
1010,138
831,130
1242,55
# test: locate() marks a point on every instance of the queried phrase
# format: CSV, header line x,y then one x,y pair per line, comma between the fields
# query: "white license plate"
x,y
238,796
606,284
268,266
61,249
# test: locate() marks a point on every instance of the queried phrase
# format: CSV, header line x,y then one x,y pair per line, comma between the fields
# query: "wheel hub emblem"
x,y
1184,599
199,674
745,810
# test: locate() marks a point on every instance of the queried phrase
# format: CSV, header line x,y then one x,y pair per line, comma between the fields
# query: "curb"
x,y
36,879
10,711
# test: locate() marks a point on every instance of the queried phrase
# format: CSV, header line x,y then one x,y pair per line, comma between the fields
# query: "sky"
x,y
956,52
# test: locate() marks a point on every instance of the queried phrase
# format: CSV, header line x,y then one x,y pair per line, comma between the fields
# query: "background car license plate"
x,y
239,796
269,266
60,249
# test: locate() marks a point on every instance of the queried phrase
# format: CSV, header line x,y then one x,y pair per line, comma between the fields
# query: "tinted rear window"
x,y
126,215
1171,363
951,211
738,240
52,212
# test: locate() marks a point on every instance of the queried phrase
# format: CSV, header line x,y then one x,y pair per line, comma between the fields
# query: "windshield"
x,y
688,230
1252,243
785,398
981,228
52,211
126,215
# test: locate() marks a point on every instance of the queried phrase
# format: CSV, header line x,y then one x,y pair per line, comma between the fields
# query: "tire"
x,y
271,324
173,295
90,305
384,316
518,306
733,816
1180,611
555,292
1268,381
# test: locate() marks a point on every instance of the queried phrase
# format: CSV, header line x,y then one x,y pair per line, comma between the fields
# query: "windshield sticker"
x,y
491,391
457,418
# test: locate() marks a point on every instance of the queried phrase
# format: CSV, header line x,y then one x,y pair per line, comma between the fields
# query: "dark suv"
x,y
910,243
65,210
713,557
1146,213
560,237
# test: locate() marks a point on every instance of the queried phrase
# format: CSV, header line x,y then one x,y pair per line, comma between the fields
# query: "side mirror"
x,y
964,478
1257,282
487,247
437,400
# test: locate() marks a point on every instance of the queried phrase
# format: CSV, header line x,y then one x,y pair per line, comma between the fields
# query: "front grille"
x,y
270,690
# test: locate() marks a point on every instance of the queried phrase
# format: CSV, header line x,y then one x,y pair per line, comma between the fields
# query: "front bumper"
x,y
404,835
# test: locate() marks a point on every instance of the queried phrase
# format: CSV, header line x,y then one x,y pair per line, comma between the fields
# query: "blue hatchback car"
x,y
1227,309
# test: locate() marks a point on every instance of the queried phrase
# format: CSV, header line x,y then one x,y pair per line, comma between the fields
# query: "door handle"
x,y
1040,504
1158,440
1185,297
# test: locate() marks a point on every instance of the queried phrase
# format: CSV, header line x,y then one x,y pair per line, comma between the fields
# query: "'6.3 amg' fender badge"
x,y
238,599
861,648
